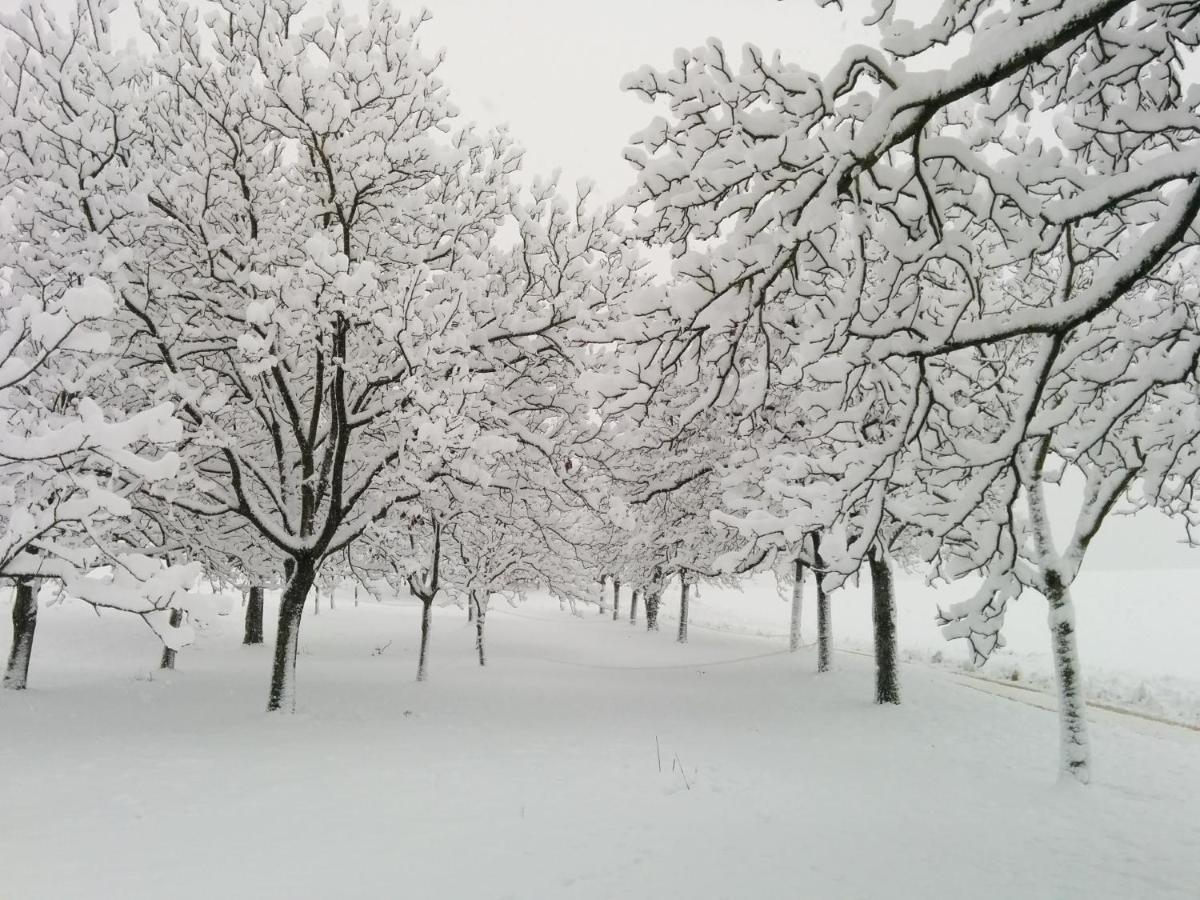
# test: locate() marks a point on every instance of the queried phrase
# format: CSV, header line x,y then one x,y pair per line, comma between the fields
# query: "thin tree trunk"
x,y
300,579
1075,751
824,622
616,597
685,587
883,616
317,602
633,606
1073,730
652,600
24,619
254,617
603,607
797,605
426,622
471,607
480,619
168,655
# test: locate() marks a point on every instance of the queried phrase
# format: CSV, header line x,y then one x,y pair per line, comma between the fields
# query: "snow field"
x,y
589,760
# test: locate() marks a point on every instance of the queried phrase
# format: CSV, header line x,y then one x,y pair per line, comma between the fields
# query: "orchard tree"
x,y
1121,412
72,459
506,547
919,255
305,252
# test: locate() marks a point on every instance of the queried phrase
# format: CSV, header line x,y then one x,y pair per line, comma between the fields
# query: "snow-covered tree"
x,y
921,256
71,458
309,265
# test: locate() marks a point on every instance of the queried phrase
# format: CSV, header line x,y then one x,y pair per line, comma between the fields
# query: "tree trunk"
x,y
1075,752
633,605
287,639
426,622
797,605
603,607
24,619
471,608
652,601
317,602
824,623
168,655
684,587
1072,710
616,598
883,616
480,619
254,617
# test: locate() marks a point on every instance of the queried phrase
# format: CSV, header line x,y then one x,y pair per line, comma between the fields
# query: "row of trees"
x,y
273,314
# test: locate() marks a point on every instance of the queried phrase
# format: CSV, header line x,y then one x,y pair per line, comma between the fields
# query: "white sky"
x,y
551,69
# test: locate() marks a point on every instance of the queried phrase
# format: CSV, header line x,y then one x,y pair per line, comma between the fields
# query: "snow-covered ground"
x,y
590,759
1137,633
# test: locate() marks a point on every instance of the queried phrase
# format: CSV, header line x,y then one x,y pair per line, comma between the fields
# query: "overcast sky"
x,y
551,69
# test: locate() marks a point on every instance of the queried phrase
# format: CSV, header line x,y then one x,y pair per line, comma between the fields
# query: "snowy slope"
x,y
589,760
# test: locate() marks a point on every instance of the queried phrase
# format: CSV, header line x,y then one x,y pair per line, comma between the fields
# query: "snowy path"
x,y
540,777
1040,699
1037,697
1137,656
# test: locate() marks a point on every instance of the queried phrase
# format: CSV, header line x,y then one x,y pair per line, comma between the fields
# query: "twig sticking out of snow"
x,y
678,762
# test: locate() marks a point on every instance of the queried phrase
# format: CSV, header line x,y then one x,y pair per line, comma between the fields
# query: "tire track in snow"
x,y
998,688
